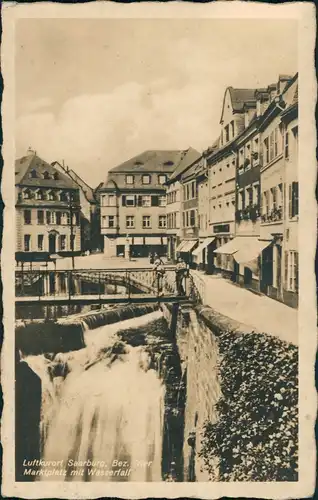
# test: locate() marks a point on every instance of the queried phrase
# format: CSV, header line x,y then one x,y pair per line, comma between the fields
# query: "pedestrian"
x,y
181,272
159,272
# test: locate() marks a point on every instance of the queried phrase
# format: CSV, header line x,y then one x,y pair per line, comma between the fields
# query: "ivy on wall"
x,y
256,435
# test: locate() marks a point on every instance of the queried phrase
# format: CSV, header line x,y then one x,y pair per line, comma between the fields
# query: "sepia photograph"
x,y
156,252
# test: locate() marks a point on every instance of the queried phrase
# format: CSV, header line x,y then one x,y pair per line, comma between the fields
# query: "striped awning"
x,y
204,244
188,246
180,246
252,248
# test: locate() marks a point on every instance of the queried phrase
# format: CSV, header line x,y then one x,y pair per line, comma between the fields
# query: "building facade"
x,y
89,220
47,210
133,205
174,209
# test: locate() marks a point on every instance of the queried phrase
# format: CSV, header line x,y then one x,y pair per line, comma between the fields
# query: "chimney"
x,y
30,151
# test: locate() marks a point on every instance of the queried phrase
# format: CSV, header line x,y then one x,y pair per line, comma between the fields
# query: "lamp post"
x,y
71,199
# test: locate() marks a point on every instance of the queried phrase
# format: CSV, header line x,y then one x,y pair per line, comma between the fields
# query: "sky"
x,y
96,92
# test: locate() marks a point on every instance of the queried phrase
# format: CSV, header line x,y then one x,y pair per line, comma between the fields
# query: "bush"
x,y
255,437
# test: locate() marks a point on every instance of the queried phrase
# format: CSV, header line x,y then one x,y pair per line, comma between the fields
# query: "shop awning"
x,y
230,247
153,240
252,248
204,244
138,240
122,240
188,246
180,246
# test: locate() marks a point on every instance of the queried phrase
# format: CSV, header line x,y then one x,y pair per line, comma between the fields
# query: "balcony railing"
x,y
251,212
274,215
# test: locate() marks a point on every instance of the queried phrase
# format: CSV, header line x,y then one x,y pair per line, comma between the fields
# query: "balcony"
x,y
274,215
251,212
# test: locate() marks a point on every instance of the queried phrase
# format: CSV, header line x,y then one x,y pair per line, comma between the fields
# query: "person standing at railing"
x,y
159,272
181,274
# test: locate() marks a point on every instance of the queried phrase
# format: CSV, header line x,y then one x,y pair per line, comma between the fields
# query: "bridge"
x,y
99,286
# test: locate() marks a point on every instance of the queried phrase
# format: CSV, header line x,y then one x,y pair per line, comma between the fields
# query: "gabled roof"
x,y
239,97
196,169
151,161
25,165
87,190
190,157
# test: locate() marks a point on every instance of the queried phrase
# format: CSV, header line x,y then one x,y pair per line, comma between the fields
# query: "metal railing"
x,y
98,282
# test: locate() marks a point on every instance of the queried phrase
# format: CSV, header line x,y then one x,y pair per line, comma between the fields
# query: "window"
x,y
146,221
40,242
227,133
40,217
129,201
33,174
50,217
271,146
250,196
162,221
129,179
27,216
58,218
63,196
146,200
130,221
192,218
162,179
27,242
276,142
110,221
232,129
56,176
146,179
291,270
72,242
39,195
274,197
162,200
266,150
293,200
27,194
108,200
193,190
62,242
286,145
52,196
46,175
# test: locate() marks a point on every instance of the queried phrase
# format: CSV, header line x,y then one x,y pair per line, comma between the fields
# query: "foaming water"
x,y
102,409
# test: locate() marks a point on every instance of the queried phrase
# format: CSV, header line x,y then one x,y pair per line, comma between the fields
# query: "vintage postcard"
x,y
158,260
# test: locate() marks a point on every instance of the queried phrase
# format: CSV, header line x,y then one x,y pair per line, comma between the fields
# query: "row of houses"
x,y
231,209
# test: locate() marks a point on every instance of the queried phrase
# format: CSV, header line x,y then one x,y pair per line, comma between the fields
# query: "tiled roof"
x,y
193,171
151,161
87,190
191,156
239,97
25,165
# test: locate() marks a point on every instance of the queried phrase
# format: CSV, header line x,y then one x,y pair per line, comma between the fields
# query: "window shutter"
x,y
154,201
295,198
123,200
139,201
290,201
48,217
286,269
58,218
296,270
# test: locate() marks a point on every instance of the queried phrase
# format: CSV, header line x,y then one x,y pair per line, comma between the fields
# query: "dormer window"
x,y
46,175
39,195
33,174
56,176
146,179
129,179
51,196
63,196
162,179
27,194
168,163
227,133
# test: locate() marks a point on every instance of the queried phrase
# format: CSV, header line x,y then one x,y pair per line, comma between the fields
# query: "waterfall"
x,y
103,406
